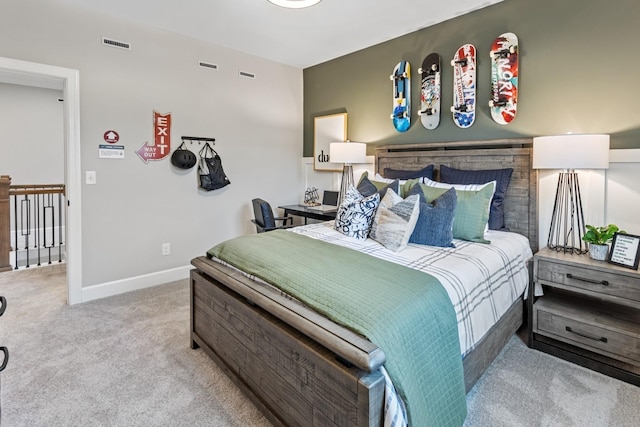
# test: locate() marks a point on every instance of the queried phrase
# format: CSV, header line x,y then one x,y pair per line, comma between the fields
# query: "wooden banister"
x,y
5,219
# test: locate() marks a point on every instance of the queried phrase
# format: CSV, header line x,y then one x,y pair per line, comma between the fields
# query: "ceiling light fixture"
x,y
294,4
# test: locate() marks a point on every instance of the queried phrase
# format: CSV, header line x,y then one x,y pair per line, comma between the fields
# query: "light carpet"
x,y
126,361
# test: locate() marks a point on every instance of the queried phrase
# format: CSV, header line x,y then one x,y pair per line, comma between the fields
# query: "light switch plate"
x,y
90,177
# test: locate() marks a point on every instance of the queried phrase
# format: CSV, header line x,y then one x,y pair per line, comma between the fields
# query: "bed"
x,y
299,367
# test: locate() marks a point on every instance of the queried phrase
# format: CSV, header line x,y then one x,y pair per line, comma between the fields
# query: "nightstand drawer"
x,y
577,328
584,278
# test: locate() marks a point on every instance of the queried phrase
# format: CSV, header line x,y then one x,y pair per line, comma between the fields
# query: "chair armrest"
x,y
284,219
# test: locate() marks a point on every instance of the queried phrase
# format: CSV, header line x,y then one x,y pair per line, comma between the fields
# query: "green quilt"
x,y
407,313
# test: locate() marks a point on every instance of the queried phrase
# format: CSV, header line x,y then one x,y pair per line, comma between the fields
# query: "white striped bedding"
x,y
482,280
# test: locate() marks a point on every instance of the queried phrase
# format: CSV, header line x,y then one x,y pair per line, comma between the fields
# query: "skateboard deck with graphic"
x,y
430,91
464,86
504,78
401,79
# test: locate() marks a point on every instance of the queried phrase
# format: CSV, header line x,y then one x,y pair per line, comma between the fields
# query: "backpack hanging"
x,y
210,172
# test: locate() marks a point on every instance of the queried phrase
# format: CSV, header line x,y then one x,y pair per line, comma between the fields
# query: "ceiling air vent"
x,y
207,65
247,74
116,43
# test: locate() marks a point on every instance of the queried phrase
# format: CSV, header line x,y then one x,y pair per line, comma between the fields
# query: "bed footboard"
x,y
292,379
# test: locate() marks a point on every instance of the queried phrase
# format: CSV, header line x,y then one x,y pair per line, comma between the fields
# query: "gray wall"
x,y
32,139
135,207
578,73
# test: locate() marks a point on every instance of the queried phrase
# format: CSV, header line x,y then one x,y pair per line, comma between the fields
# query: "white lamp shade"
x,y
295,4
347,152
571,152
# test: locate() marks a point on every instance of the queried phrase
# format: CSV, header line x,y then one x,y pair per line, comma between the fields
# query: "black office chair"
x,y
264,219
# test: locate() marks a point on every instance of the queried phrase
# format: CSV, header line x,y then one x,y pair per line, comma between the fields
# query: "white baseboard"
x,y
117,287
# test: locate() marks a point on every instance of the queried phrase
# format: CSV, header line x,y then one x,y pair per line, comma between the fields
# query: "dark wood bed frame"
x,y
301,369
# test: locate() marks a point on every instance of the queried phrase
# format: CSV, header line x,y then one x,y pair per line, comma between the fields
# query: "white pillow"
x,y
395,220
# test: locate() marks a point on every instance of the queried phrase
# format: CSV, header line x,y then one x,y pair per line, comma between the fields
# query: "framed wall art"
x,y
327,129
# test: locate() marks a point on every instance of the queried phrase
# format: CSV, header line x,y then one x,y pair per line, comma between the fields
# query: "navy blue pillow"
x,y
502,178
403,174
435,222
367,188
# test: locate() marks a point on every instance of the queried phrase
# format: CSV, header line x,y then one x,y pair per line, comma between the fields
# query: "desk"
x,y
307,212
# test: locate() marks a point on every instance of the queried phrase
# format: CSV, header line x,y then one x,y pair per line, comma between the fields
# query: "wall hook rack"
x,y
199,139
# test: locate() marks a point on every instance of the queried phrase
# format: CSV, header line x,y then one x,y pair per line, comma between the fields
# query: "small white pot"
x,y
598,252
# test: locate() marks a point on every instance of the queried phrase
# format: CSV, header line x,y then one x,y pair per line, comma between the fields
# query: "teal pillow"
x,y
472,210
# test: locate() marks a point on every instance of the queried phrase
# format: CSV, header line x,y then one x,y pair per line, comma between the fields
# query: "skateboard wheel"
x,y
491,103
453,109
434,67
419,112
391,116
492,54
420,70
453,63
512,49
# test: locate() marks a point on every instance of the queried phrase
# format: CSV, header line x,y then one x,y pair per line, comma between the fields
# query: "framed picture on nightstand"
x,y
625,250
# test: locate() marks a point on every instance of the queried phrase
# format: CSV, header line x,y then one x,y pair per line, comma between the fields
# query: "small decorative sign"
x,y
624,250
111,151
161,145
111,136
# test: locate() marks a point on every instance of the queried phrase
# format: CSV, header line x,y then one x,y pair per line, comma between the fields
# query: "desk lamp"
x,y
569,152
347,153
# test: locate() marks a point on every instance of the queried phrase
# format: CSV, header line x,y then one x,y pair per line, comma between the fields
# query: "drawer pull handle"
x,y
586,279
591,337
5,351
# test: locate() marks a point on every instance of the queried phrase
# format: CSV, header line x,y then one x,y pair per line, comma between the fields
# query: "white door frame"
x,y
51,77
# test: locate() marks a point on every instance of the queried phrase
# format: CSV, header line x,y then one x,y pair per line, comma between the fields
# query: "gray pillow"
x,y
435,221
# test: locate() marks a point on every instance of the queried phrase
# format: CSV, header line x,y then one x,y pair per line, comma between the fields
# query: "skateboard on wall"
x,y
464,86
401,79
430,91
504,78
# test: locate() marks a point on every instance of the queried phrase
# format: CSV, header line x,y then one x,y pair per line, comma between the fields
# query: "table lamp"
x,y
569,152
347,153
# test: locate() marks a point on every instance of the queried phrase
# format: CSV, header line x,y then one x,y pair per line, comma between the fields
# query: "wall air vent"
x,y
207,65
247,74
116,43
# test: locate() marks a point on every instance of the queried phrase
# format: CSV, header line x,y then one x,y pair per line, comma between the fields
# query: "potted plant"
x,y
599,238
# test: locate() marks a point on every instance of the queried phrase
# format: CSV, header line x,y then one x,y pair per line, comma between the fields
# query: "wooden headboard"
x,y
521,199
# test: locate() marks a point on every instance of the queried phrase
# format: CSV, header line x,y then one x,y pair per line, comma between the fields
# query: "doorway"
x,y
47,76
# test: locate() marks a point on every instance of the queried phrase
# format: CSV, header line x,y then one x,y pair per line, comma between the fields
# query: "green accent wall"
x,y
579,72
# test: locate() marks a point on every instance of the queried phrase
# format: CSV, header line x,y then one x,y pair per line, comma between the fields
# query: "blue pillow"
x,y
404,174
502,178
366,187
435,222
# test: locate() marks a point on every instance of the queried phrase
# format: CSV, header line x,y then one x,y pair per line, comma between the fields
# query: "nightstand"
x,y
589,314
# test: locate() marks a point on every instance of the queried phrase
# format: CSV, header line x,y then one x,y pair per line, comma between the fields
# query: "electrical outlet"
x,y
166,249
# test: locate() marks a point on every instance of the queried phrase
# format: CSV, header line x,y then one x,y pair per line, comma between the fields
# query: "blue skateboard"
x,y
401,79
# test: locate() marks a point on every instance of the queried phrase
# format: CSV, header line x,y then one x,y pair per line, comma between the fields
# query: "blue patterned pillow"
x,y
502,178
435,222
356,213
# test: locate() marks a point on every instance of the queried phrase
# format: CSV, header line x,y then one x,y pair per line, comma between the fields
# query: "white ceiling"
x,y
297,37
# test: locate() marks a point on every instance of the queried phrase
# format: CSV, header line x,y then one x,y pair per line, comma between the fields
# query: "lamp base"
x,y
347,181
567,221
